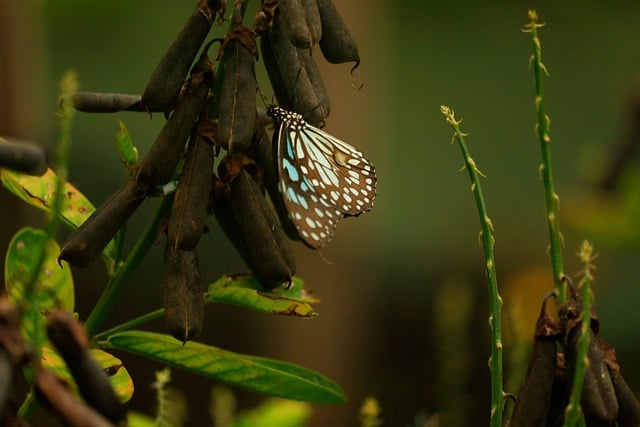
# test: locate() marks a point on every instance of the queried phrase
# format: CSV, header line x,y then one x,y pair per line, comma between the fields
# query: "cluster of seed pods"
x,y
214,124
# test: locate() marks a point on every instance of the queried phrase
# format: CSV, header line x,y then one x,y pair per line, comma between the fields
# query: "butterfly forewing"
x,y
321,178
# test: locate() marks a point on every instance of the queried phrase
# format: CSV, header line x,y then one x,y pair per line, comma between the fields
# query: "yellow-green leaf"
x,y
38,191
258,374
54,286
246,291
275,413
118,375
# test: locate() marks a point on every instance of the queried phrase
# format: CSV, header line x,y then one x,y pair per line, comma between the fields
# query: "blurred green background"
x,y
404,306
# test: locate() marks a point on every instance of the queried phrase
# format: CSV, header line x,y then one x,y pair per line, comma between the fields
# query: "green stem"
x,y
542,130
140,320
495,301
573,413
116,283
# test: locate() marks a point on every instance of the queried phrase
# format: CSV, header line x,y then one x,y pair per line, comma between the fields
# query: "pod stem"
x,y
495,301
116,283
542,130
574,416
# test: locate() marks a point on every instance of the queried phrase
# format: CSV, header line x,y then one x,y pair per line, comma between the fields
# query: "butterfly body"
x,y
321,178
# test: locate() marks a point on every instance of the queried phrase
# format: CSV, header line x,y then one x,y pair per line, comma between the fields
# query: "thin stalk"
x,y
68,86
130,324
573,413
495,301
542,131
116,283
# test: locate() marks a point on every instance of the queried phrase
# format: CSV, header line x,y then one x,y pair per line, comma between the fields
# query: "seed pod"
x,y
237,109
88,241
336,44
598,400
164,85
183,293
190,201
252,227
99,102
57,396
295,23
312,15
275,78
22,156
263,155
323,108
629,414
532,407
70,339
299,89
159,164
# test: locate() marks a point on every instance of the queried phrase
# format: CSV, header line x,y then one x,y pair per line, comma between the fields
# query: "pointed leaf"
x,y
54,286
38,191
118,375
246,291
127,151
253,373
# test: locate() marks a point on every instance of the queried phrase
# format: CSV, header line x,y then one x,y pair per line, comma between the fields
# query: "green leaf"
x,y
253,373
275,413
246,291
136,419
38,191
127,151
54,287
118,375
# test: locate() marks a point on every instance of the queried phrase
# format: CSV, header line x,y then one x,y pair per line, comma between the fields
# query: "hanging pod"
x,y
164,85
189,210
89,240
251,225
337,44
298,93
70,340
237,108
183,294
161,160
532,406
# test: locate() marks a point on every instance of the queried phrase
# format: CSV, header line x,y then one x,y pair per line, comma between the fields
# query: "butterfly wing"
x,y
321,179
313,216
347,178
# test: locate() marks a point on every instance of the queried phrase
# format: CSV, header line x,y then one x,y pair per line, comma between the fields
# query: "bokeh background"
x,y
404,306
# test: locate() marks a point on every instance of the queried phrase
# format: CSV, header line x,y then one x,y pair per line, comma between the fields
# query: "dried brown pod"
x,y
101,102
88,241
70,340
159,164
57,397
337,44
189,210
312,15
298,93
263,155
532,407
22,156
183,293
251,225
163,88
598,400
294,20
237,108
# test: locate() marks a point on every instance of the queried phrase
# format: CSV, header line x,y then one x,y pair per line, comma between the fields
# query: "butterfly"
x,y
321,179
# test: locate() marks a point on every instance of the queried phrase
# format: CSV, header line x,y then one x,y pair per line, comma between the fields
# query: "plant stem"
x,y
495,301
542,130
130,324
118,280
573,413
